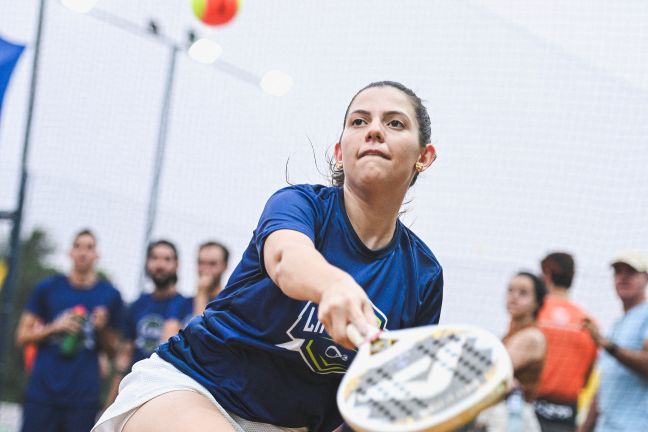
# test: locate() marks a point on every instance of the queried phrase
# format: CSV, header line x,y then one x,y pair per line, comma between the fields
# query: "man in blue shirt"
x,y
153,317
80,314
622,400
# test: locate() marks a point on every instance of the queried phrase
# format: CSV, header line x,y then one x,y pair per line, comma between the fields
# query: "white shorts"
x,y
153,377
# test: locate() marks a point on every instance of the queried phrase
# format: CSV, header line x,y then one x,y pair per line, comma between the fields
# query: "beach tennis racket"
x,y
432,378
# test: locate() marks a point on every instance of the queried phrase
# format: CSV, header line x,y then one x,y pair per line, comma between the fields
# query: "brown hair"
x,y
559,267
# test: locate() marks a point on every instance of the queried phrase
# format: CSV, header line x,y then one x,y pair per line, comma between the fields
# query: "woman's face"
x,y
520,297
380,141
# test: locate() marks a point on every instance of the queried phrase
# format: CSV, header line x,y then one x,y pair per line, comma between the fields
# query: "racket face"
x,y
427,378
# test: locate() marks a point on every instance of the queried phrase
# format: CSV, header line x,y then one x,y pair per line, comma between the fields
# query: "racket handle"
x,y
357,339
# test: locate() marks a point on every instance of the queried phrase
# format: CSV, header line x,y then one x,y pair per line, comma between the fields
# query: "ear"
x,y
337,152
546,277
428,156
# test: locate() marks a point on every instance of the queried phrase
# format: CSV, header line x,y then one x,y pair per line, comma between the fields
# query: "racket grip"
x,y
357,339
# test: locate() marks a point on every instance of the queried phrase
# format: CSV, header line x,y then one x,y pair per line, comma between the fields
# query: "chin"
x,y
377,178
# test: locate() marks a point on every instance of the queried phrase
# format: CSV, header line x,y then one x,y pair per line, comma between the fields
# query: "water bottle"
x,y
71,342
515,404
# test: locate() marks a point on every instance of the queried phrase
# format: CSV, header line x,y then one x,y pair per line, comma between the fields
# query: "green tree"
x,y
32,266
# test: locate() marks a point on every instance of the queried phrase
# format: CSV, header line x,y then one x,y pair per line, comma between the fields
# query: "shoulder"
x,y
425,259
576,309
139,301
532,337
106,284
51,281
558,311
535,335
643,309
305,206
642,318
306,191
528,344
638,315
107,287
180,299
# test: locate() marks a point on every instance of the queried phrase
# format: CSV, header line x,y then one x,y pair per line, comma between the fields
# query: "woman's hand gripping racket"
x,y
432,378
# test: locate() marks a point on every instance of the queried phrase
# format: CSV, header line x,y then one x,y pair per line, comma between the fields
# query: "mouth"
x,y
374,152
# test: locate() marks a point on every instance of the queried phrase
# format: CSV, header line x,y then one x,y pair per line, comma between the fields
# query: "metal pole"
x,y
6,305
159,157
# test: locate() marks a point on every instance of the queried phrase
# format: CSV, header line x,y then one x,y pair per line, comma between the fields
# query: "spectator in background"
x,y
621,403
526,346
153,317
212,263
571,352
63,389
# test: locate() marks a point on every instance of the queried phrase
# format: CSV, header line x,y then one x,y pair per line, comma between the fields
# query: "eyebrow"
x,y
387,113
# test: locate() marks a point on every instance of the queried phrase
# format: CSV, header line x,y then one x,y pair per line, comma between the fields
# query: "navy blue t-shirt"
x,y
187,311
145,319
55,378
265,356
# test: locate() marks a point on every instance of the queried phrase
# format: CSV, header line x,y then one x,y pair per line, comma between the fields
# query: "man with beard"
x,y
153,317
72,318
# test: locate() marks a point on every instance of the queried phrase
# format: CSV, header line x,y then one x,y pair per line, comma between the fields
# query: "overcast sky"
x,y
538,113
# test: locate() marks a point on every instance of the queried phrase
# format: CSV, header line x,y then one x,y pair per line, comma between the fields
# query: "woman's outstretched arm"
x,y
302,273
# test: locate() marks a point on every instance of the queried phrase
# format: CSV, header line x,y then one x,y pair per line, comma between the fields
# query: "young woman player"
x,y
269,352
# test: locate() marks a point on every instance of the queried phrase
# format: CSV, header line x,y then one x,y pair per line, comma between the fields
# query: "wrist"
x,y
50,329
338,279
610,347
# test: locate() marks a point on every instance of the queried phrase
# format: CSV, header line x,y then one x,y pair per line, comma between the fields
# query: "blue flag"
x,y
9,55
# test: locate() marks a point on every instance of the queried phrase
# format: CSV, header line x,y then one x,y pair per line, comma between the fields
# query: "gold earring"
x,y
338,166
418,166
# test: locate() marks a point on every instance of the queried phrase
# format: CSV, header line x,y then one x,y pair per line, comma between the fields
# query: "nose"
x,y
375,133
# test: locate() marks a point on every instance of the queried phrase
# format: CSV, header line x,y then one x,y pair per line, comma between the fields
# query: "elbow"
x,y
278,274
275,266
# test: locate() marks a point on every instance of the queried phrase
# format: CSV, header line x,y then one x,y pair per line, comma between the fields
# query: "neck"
x,y
629,304
558,291
519,323
373,216
82,279
164,291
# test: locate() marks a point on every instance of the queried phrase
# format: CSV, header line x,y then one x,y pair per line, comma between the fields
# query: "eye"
x,y
358,122
395,124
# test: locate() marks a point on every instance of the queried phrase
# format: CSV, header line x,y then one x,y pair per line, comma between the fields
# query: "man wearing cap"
x,y
622,400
